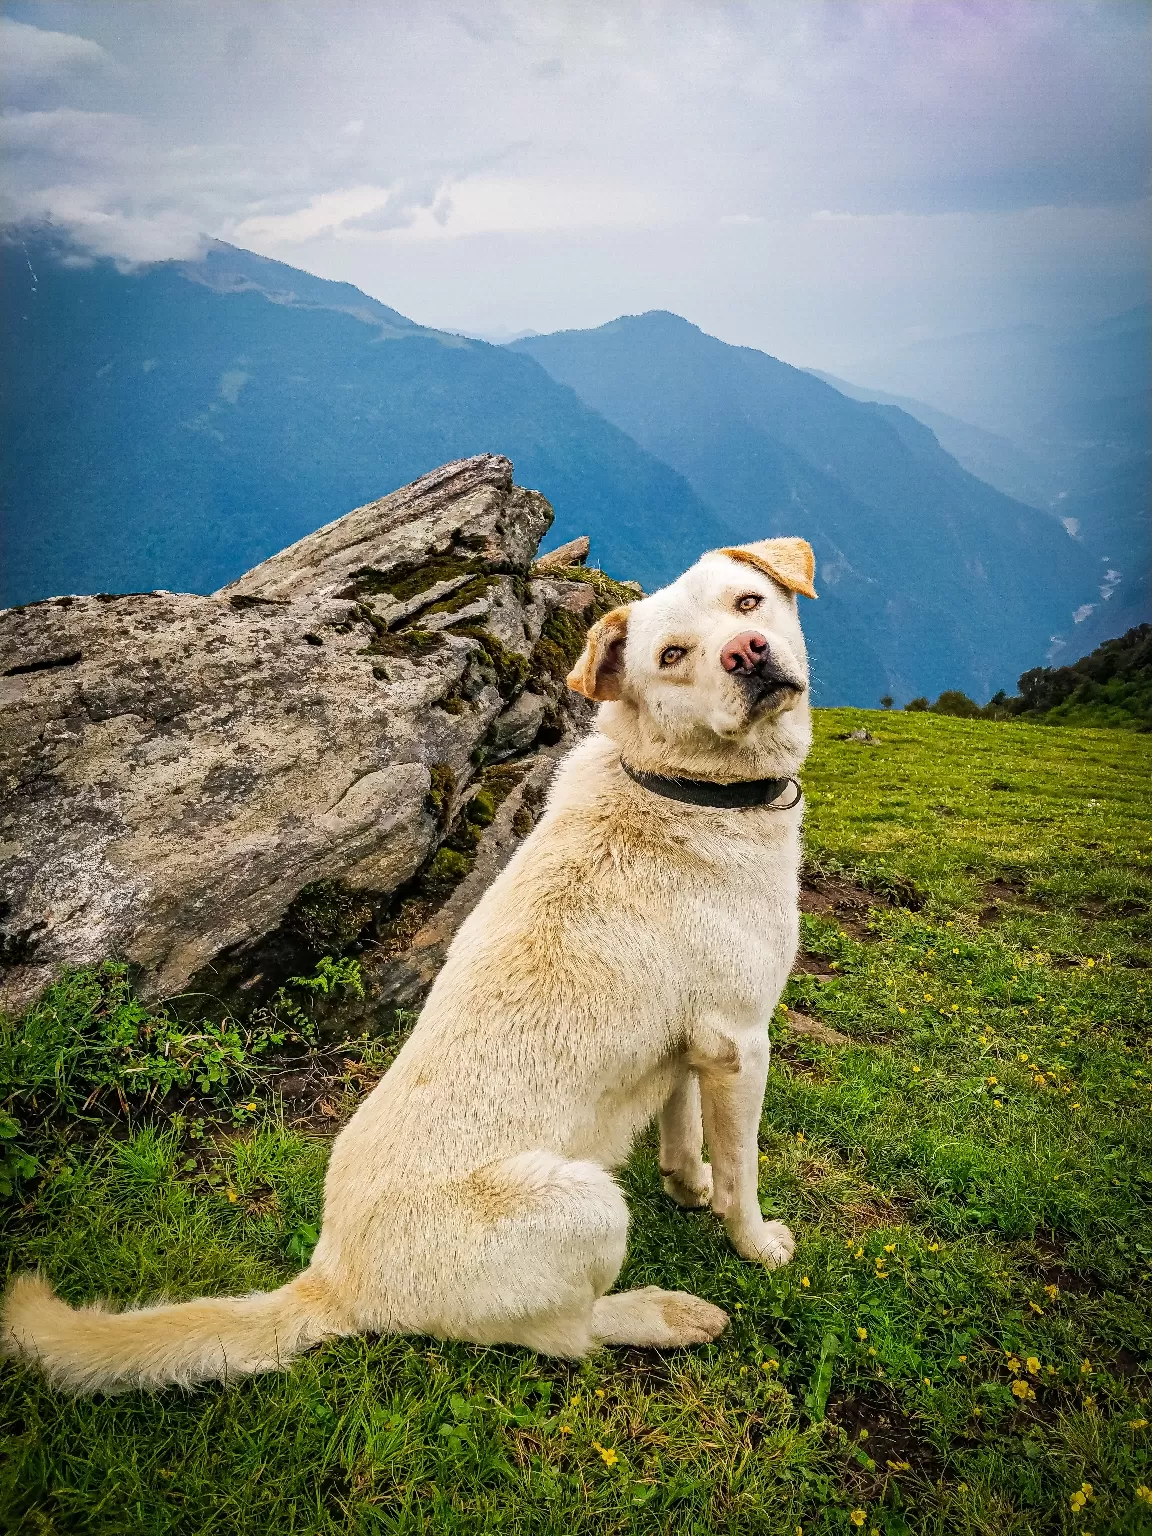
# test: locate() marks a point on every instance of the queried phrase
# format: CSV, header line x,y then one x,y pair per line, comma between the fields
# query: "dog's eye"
x,y
671,654
749,601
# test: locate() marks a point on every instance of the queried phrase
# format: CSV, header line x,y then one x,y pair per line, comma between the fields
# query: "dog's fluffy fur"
x,y
624,965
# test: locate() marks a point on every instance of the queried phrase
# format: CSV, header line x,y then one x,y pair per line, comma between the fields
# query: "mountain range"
x,y
924,571
1060,417
172,425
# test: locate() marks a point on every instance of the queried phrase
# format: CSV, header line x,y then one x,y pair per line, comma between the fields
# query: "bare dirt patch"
x,y
889,1439
808,964
849,905
1006,896
812,1029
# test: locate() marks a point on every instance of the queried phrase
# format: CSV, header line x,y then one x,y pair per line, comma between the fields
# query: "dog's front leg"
x,y
733,1070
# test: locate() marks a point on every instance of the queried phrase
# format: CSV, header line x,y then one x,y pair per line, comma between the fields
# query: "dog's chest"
x,y
741,919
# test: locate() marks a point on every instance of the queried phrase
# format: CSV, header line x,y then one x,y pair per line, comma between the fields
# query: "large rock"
x,y
176,769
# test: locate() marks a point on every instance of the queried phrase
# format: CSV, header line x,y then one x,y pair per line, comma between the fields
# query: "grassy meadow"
x,y
962,1344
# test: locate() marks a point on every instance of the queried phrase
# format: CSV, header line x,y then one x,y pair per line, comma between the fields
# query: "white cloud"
x,y
31,55
806,176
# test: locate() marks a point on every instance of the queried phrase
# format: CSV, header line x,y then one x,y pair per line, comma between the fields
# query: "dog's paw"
x,y
771,1244
656,1319
690,1319
692,1191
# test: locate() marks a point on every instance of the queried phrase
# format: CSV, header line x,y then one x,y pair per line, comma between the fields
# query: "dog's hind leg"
x,y
687,1177
541,1237
548,1244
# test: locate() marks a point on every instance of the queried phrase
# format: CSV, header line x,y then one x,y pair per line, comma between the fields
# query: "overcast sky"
x,y
820,178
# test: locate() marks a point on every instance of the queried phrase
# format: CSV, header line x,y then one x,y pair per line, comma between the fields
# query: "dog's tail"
x,y
90,1349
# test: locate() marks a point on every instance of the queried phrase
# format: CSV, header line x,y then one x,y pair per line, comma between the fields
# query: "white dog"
x,y
625,964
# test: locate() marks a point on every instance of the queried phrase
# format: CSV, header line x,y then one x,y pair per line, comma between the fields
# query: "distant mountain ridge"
x,y
927,575
172,426
987,455
1075,403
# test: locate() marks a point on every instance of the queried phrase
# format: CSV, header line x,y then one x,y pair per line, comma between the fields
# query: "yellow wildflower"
x,y
1052,1291
1137,1423
858,1516
933,1247
1144,1492
1022,1390
1033,1365
805,1282
861,1333
889,1247
607,1454
1085,1367
771,1365
232,1197
1035,1308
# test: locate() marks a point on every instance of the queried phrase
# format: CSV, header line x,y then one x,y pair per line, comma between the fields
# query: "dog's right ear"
x,y
598,673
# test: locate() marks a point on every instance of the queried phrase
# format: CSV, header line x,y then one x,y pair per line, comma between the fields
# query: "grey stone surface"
x,y
575,552
176,768
516,728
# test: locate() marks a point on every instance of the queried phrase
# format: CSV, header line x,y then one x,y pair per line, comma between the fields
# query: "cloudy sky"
x,y
820,178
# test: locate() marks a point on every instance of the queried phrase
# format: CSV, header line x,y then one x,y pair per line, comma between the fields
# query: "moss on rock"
x,y
329,916
441,792
511,667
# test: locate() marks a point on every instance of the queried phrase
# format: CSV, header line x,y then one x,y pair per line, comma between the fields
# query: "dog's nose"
x,y
745,652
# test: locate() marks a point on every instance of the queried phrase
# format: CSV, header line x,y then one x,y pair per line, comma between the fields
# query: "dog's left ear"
x,y
598,673
788,561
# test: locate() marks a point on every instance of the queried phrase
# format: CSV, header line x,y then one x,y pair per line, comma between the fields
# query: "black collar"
x,y
744,795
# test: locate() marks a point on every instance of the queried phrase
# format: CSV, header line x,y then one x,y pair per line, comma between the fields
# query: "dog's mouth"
x,y
769,690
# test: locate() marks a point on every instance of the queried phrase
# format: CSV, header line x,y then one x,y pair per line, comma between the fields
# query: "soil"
x,y
891,1441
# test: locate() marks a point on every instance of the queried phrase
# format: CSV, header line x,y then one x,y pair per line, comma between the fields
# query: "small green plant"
x,y
302,1241
331,974
16,1164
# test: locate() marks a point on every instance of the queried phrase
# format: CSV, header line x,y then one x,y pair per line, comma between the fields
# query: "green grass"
x,y
969,1178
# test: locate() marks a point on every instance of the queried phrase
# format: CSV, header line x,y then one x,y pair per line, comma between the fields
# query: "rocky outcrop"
x,y
575,552
187,778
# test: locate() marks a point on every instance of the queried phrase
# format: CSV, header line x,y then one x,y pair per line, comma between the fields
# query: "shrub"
x,y
953,702
917,704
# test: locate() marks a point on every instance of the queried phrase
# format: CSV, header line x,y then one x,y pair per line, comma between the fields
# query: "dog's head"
x,y
709,676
